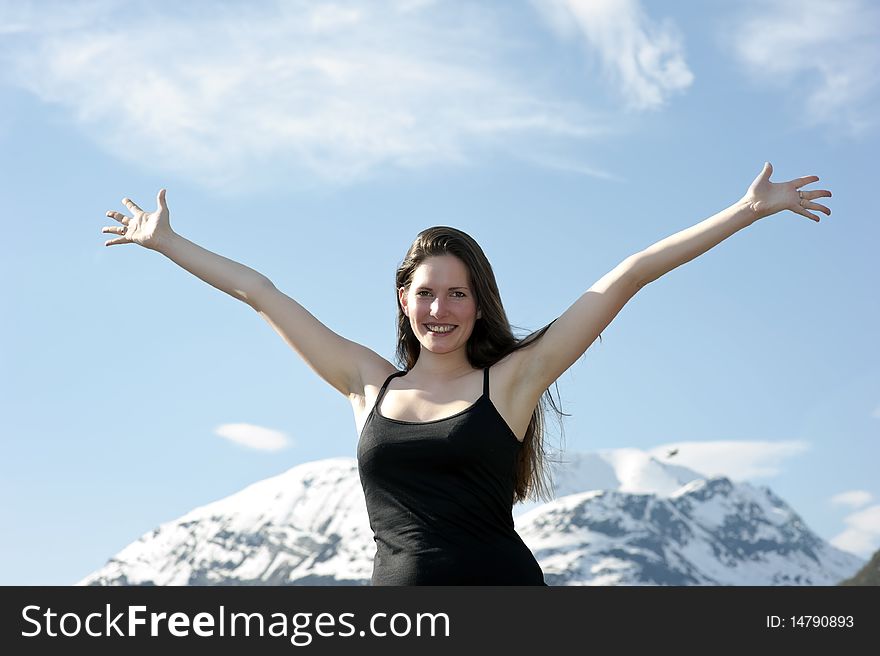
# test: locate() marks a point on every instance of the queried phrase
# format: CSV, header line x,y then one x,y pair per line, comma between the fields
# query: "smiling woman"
x,y
447,280
451,441
442,454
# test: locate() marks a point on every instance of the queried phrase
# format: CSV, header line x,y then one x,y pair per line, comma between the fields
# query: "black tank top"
x,y
440,498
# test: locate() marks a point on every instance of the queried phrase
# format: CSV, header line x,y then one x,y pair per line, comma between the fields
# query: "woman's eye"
x,y
425,291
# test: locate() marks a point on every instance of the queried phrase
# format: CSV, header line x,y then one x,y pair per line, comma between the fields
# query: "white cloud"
x,y
643,57
823,56
412,5
852,498
876,413
253,437
24,17
737,460
287,92
862,536
562,163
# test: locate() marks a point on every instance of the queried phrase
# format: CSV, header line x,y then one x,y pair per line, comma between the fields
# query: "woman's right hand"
x,y
150,230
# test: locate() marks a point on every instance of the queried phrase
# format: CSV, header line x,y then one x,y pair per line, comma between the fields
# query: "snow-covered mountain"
x,y
620,517
307,526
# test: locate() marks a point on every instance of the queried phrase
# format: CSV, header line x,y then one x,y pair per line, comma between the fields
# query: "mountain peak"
x,y
620,517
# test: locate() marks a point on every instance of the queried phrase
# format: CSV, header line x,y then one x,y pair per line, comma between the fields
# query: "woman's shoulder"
x,y
506,369
513,380
374,373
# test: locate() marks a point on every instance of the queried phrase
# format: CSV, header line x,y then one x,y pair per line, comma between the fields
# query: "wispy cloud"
x,y
853,498
288,92
823,56
643,57
862,535
253,437
568,165
876,413
737,460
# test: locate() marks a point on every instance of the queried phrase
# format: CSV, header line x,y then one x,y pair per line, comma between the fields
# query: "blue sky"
x,y
313,141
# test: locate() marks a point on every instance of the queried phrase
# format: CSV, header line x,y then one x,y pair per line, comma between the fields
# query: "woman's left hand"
x,y
766,198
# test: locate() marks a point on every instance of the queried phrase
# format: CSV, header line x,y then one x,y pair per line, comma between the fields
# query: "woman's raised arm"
x,y
762,199
572,333
340,362
153,230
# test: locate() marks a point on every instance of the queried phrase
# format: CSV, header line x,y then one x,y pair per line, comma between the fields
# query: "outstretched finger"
x,y
817,207
119,216
804,212
815,193
800,182
130,204
118,240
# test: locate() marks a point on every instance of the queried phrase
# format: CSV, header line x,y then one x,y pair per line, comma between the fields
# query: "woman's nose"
x,y
437,307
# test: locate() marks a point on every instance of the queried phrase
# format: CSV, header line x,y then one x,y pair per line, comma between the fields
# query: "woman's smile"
x,y
440,329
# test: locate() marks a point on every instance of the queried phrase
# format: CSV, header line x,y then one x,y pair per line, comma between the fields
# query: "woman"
x,y
443,455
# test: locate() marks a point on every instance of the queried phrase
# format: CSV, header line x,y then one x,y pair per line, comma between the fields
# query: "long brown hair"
x,y
491,340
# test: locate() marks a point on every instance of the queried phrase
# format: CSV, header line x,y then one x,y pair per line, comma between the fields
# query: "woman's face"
x,y
440,297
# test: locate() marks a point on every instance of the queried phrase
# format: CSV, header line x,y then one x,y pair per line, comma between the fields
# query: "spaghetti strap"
x,y
385,386
486,382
